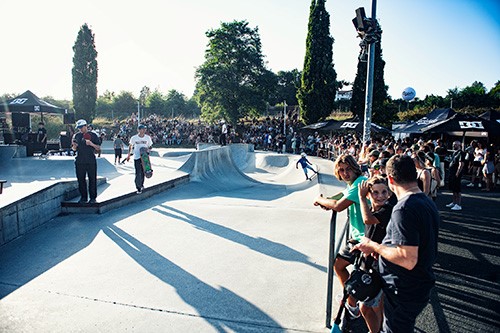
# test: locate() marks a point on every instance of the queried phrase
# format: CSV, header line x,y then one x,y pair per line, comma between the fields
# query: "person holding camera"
x,y
408,250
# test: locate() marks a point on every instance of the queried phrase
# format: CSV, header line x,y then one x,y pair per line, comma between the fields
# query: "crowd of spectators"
x,y
267,134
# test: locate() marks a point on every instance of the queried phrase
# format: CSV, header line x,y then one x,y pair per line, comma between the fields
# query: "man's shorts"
x,y
455,183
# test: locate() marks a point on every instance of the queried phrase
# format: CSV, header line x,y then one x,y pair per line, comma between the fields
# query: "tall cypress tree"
x,y
85,74
379,89
319,79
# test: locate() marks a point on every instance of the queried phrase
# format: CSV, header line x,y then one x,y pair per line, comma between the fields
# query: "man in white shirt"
x,y
223,135
138,141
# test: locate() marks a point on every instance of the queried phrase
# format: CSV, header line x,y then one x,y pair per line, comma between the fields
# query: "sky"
x,y
429,45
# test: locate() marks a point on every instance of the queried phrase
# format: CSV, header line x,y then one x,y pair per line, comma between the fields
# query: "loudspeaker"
x,y
20,119
69,118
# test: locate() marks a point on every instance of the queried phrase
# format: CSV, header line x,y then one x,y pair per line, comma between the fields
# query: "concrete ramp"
x,y
216,168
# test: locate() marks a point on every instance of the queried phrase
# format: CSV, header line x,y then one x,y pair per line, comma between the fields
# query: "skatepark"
x,y
223,239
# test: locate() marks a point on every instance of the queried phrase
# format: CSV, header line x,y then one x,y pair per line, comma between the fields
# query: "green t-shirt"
x,y
355,217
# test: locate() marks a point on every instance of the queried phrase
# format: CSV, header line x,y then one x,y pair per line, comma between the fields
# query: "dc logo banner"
x,y
349,125
471,125
19,101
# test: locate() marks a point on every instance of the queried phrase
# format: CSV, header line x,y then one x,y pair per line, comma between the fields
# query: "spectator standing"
x,y
423,175
118,146
489,168
409,249
376,219
223,135
348,170
86,145
456,168
41,137
138,141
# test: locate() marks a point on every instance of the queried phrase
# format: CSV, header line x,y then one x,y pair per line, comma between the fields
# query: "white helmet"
x,y
303,154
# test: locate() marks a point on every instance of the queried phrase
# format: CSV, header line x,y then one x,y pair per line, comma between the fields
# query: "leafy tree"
x,y
288,83
104,105
175,103
85,74
474,95
156,103
192,109
124,104
318,88
495,94
379,113
233,81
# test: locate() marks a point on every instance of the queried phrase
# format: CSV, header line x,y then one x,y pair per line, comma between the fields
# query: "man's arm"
x,y
402,255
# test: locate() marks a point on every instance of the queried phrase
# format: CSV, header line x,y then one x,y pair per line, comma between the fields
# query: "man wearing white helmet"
x,y
86,144
305,165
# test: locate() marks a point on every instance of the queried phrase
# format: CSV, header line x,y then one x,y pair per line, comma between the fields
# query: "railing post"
x,y
330,272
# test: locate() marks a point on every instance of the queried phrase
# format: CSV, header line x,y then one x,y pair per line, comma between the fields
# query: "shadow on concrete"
x,y
467,268
261,245
216,306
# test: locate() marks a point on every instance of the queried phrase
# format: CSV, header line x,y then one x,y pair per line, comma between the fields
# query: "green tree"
x,y
175,104
318,88
288,84
105,105
474,96
380,114
192,109
84,74
124,104
233,81
156,103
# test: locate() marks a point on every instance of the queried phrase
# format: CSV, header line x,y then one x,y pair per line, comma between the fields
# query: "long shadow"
x,y
261,245
27,257
219,307
467,269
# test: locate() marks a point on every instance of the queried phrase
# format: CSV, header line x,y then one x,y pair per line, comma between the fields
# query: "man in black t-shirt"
x,y
408,250
41,137
86,144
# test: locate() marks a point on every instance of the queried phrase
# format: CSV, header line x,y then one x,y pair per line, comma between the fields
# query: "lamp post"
x,y
369,81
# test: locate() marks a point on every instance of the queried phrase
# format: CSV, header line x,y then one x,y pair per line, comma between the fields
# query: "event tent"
x,y
435,116
461,124
320,125
355,125
492,115
30,103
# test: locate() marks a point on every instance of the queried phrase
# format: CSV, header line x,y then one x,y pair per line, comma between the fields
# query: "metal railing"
x,y
334,248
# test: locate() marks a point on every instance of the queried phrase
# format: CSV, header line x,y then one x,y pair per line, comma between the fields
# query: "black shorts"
x,y
455,183
476,163
346,254
118,153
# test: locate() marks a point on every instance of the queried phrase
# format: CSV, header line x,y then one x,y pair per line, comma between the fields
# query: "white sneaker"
x,y
451,204
470,185
480,185
456,207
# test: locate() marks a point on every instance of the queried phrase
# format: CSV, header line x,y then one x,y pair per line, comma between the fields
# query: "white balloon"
x,y
409,94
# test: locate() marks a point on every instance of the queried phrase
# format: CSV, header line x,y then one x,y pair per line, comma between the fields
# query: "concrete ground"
x,y
227,252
